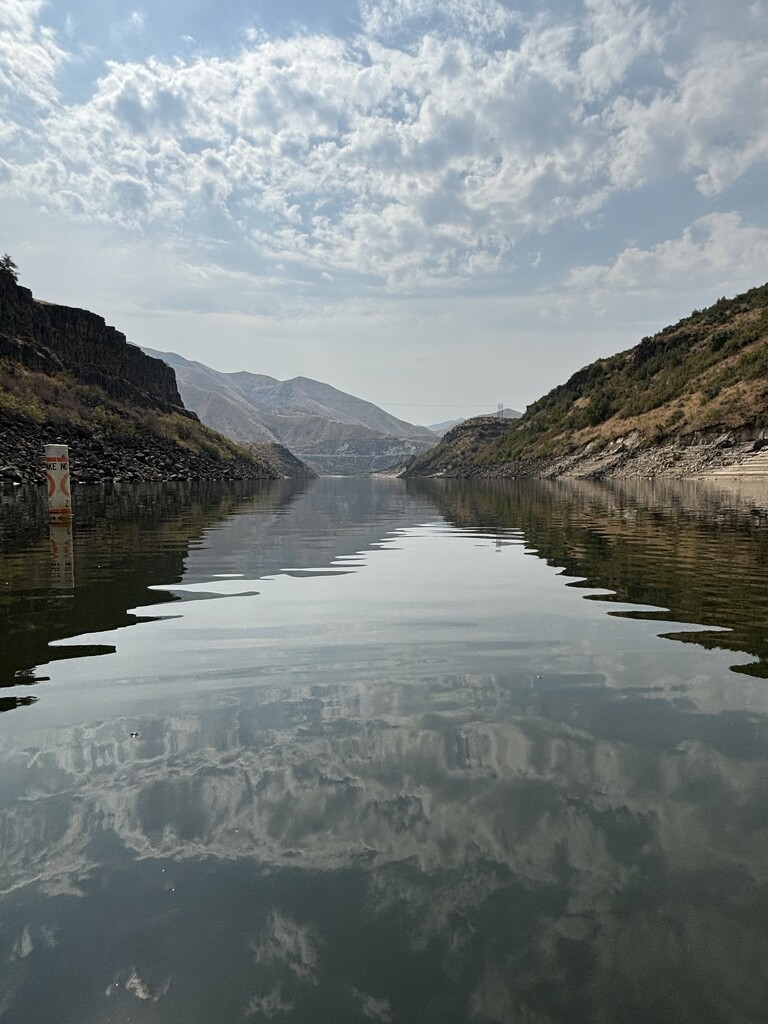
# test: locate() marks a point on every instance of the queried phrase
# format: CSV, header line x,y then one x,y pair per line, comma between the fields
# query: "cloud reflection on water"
x,y
369,811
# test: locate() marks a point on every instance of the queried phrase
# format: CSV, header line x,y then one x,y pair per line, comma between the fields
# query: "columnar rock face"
x,y
52,338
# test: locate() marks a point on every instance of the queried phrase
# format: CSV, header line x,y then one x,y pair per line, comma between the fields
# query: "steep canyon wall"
x,y
53,339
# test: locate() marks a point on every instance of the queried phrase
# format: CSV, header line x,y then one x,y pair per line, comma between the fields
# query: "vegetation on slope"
x,y
63,402
45,399
707,373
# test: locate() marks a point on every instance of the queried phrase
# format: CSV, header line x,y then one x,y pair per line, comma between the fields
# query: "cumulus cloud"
x,y
398,21
717,251
712,122
619,32
421,150
30,58
390,164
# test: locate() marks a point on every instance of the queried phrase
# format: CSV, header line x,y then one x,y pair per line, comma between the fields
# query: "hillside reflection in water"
x,y
368,755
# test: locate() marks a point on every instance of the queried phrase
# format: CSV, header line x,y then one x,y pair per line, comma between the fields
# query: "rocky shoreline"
x,y
730,453
98,459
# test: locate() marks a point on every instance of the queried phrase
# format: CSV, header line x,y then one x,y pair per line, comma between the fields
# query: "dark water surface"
x,y
375,752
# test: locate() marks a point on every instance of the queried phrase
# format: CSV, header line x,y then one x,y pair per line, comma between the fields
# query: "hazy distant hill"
x,y
675,403
67,376
332,431
442,428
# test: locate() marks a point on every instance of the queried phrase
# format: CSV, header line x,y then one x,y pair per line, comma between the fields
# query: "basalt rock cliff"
x,y
54,339
67,377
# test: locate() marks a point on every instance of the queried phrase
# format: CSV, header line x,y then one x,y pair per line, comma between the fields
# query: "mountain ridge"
x,y
330,429
66,376
689,399
441,429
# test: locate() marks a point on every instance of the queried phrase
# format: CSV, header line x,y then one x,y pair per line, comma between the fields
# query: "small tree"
x,y
7,266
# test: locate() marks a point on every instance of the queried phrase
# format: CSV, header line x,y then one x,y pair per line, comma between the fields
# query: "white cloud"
x,y
30,58
129,28
398,21
718,252
404,166
620,32
712,122
420,151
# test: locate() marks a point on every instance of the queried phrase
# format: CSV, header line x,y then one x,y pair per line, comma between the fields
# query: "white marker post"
x,y
57,478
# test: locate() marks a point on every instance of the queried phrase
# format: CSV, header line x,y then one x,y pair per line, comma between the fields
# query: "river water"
x,y
367,751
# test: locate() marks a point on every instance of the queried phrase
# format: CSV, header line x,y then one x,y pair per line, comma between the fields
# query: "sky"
x,y
436,205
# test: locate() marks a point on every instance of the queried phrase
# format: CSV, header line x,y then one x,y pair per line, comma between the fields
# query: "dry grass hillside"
x,y
66,376
702,377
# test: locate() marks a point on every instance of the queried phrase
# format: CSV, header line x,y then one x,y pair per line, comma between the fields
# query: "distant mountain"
x,y
692,398
332,431
68,377
442,428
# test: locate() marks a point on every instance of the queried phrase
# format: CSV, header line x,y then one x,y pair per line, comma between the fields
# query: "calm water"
x,y
369,752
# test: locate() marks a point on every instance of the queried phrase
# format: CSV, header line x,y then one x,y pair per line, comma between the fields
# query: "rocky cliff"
x,y
54,339
67,377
